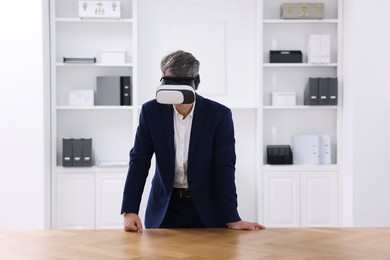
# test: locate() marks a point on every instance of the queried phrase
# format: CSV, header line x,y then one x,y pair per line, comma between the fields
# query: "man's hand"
x,y
240,225
132,222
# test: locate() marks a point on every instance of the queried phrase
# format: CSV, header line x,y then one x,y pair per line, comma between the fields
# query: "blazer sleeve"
x,y
224,165
140,160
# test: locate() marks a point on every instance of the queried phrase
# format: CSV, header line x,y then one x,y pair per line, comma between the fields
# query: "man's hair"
x,y
180,64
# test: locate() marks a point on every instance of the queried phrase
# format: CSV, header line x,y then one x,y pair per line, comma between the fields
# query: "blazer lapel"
x,y
197,126
167,115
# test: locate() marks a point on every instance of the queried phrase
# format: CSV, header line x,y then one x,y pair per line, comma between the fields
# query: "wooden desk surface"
x,y
272,243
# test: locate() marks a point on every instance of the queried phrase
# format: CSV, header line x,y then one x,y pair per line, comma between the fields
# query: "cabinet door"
x,y
75,201
109,193
281,199
319,199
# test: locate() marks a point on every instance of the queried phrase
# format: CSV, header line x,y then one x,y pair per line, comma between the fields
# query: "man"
x,y
194,144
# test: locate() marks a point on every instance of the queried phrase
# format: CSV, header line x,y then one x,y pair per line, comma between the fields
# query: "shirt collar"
x,y
190,115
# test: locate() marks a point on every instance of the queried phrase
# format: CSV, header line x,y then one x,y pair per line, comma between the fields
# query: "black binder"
x,y
126,91
86,152
323,91
310,96
67,154
332,91
77,152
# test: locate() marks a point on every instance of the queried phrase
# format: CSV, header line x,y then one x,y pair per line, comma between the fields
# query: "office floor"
x,y
272,243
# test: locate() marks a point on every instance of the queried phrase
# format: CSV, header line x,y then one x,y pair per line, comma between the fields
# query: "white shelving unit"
x,y
291,195
82,197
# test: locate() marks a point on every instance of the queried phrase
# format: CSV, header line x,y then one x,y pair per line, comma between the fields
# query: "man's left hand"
x,y
241,225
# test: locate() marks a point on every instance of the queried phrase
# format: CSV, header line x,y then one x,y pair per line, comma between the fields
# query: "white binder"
x,y
305,149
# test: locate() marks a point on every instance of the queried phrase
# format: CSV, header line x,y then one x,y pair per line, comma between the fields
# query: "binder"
x,y
126,91
314,49
108,91
324,148
323,91
67,153
86,151
332,91
325,48
305,149
311,92
77,152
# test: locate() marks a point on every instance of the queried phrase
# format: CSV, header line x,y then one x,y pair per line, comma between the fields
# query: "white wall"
x,y
21,116
367,67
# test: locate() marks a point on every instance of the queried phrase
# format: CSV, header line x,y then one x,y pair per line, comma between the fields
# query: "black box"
x,y
285,56
279,154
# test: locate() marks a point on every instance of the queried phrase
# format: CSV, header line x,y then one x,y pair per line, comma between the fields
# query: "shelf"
x,y
95,108
79,20
300,21
301,167
61,64
301,107
298,65
92,170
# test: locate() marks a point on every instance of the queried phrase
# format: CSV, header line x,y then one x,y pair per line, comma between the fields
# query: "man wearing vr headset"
x,y
193,140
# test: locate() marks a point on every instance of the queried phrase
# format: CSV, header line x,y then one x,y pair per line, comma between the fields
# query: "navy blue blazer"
x,y
211,163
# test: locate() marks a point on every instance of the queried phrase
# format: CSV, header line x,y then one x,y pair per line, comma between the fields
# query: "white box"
x,y
99,9
113,57
284,98
81,97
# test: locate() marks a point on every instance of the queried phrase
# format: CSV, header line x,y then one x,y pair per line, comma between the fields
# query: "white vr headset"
x,y
177,90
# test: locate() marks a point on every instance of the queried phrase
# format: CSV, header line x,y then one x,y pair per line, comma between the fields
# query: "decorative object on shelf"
x,y
318,49
114,91
302,11
113,57
77,152
79,60
279,154
321,91
283,98
311,149
99,9
81,97
286,56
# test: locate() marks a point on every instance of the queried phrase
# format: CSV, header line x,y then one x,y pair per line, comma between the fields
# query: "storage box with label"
x,y
100,9
113,56
302,11
283,98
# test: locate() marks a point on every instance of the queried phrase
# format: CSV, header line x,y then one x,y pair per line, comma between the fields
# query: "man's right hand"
x,y
132,222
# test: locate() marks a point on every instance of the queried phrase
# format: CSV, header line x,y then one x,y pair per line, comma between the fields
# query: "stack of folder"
x,y
76,152
321,91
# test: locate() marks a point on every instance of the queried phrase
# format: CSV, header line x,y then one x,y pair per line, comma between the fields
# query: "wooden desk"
x,y
304,243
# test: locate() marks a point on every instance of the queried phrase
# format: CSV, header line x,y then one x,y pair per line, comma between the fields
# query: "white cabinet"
x,y
108,200
281,199
75,201
299,195
87,200
300,198
86,197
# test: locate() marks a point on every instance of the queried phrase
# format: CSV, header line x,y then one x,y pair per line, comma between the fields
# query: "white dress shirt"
x,y
182,129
